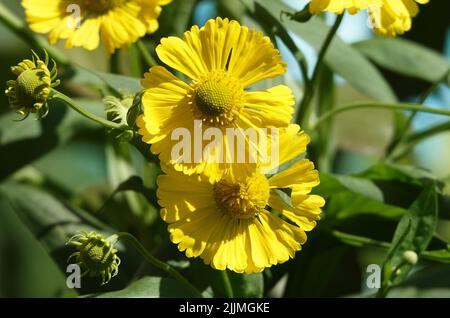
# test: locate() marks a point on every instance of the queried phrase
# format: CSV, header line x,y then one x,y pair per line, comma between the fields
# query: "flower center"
x,y
213,98
30,85
96,254
243,200
102,6
216,99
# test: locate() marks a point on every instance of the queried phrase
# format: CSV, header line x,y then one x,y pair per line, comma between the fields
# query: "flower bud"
x,y
410,257
117,109
96,255
31,89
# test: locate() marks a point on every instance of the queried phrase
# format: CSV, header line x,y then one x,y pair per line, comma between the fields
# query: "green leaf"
x,y
441,256
399,183
430,277
26,141
208,279
341,58
405,57
414,232
74,176
120,170
347,204
53,222
331,184
317,270
26,268
402,173
247,285
12,130
413,292
121,84
150,287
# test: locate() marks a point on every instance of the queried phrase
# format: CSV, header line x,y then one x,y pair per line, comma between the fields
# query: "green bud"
x,y
32,88
410,257
301,16
96,255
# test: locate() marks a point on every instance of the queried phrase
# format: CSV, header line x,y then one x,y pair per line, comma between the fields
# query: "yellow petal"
x,y
254,58
304,218
163,102
181,195
183,54
119,26
300,177
338,6
270,108
194,233
86,36
221,44
288,237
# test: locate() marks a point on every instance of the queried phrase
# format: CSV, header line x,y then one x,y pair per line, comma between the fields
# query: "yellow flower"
x,y
338,6
394,16
244,223
117,22
389,17
221,59
31,89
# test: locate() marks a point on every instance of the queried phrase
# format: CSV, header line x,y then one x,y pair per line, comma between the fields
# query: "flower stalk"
x,y
227,284
72,104
157,263
148,58
304,108
400,106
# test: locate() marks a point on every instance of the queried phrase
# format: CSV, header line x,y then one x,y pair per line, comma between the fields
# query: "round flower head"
x,y
95,255
221,60
244,223
388,17
83,23
394,16
31,89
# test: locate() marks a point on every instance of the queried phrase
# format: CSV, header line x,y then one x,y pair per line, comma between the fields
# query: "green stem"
x,y
135,61
419,136
157,263
114,62
402,136
148,58
274,27
72,104
227,284
360,241
411,141
325,102
383,291
298,55
305,105
15,24
403,106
